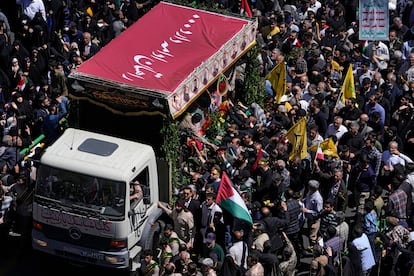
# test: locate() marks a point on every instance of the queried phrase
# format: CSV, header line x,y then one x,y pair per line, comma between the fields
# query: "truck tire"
x,y
154,236
134,273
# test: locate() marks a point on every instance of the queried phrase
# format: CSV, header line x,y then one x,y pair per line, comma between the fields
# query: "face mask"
x,y
66,29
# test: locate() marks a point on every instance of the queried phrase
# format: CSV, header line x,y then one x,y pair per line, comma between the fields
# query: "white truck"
x,y
82,209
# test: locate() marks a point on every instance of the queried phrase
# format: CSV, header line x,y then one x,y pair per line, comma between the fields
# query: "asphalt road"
x,y
19,260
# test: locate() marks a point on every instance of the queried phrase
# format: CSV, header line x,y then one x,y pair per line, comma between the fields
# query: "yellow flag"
x,y
327,146
277,77
89,11
348,86
297,137
288,106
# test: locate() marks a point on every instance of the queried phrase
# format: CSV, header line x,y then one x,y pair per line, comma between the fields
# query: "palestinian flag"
x,y
229,199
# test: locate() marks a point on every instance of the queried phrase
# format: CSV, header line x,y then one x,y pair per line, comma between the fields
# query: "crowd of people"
x,y
348,210
353,206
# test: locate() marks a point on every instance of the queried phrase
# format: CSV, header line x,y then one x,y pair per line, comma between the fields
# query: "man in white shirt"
x,y
208,209
393,156
336,128
239,250
362,244
378,52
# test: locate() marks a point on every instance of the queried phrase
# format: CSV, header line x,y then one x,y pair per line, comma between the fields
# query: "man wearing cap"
x,y
214,250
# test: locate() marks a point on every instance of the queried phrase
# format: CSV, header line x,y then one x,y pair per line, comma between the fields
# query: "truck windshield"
x,y
80,192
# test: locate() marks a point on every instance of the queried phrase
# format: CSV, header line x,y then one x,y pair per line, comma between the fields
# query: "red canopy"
x,y
172,52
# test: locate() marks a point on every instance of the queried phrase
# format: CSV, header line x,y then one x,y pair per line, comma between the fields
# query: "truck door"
x,y
139,201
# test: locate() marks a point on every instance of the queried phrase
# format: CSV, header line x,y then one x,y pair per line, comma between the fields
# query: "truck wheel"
x,y
134,273
154,236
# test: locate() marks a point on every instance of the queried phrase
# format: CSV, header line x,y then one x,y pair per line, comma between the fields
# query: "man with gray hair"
x,y
364,128
353,139
342,229
313,204
392,156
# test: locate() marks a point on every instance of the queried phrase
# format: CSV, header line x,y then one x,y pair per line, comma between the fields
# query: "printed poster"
x,y
373,20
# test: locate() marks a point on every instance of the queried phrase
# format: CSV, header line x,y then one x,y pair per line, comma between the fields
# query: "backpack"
x,y
241,267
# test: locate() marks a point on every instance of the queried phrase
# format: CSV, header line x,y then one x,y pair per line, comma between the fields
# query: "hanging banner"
x,y
373,20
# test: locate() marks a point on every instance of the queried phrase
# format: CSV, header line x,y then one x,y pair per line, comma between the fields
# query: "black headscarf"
x,y
229,268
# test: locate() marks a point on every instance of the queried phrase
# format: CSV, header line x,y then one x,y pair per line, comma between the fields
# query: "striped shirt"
x,y
326,220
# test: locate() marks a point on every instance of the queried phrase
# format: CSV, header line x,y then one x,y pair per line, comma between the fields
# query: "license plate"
x,y
92,255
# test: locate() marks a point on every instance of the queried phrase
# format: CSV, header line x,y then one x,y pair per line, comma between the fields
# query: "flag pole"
x,y
339,104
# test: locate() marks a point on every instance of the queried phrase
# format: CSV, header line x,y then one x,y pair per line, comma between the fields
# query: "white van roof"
x,y
97,154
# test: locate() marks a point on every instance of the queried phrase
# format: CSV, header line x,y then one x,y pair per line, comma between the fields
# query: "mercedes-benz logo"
x,y
75,233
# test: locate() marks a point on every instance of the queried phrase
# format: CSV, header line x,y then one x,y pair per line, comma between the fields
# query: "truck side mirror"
x,y
146,195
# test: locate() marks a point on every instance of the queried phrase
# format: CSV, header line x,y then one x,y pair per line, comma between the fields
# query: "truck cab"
x,y
82,207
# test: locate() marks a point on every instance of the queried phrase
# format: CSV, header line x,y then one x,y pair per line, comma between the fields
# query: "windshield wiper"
x,y
98,212
50,203
94,210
